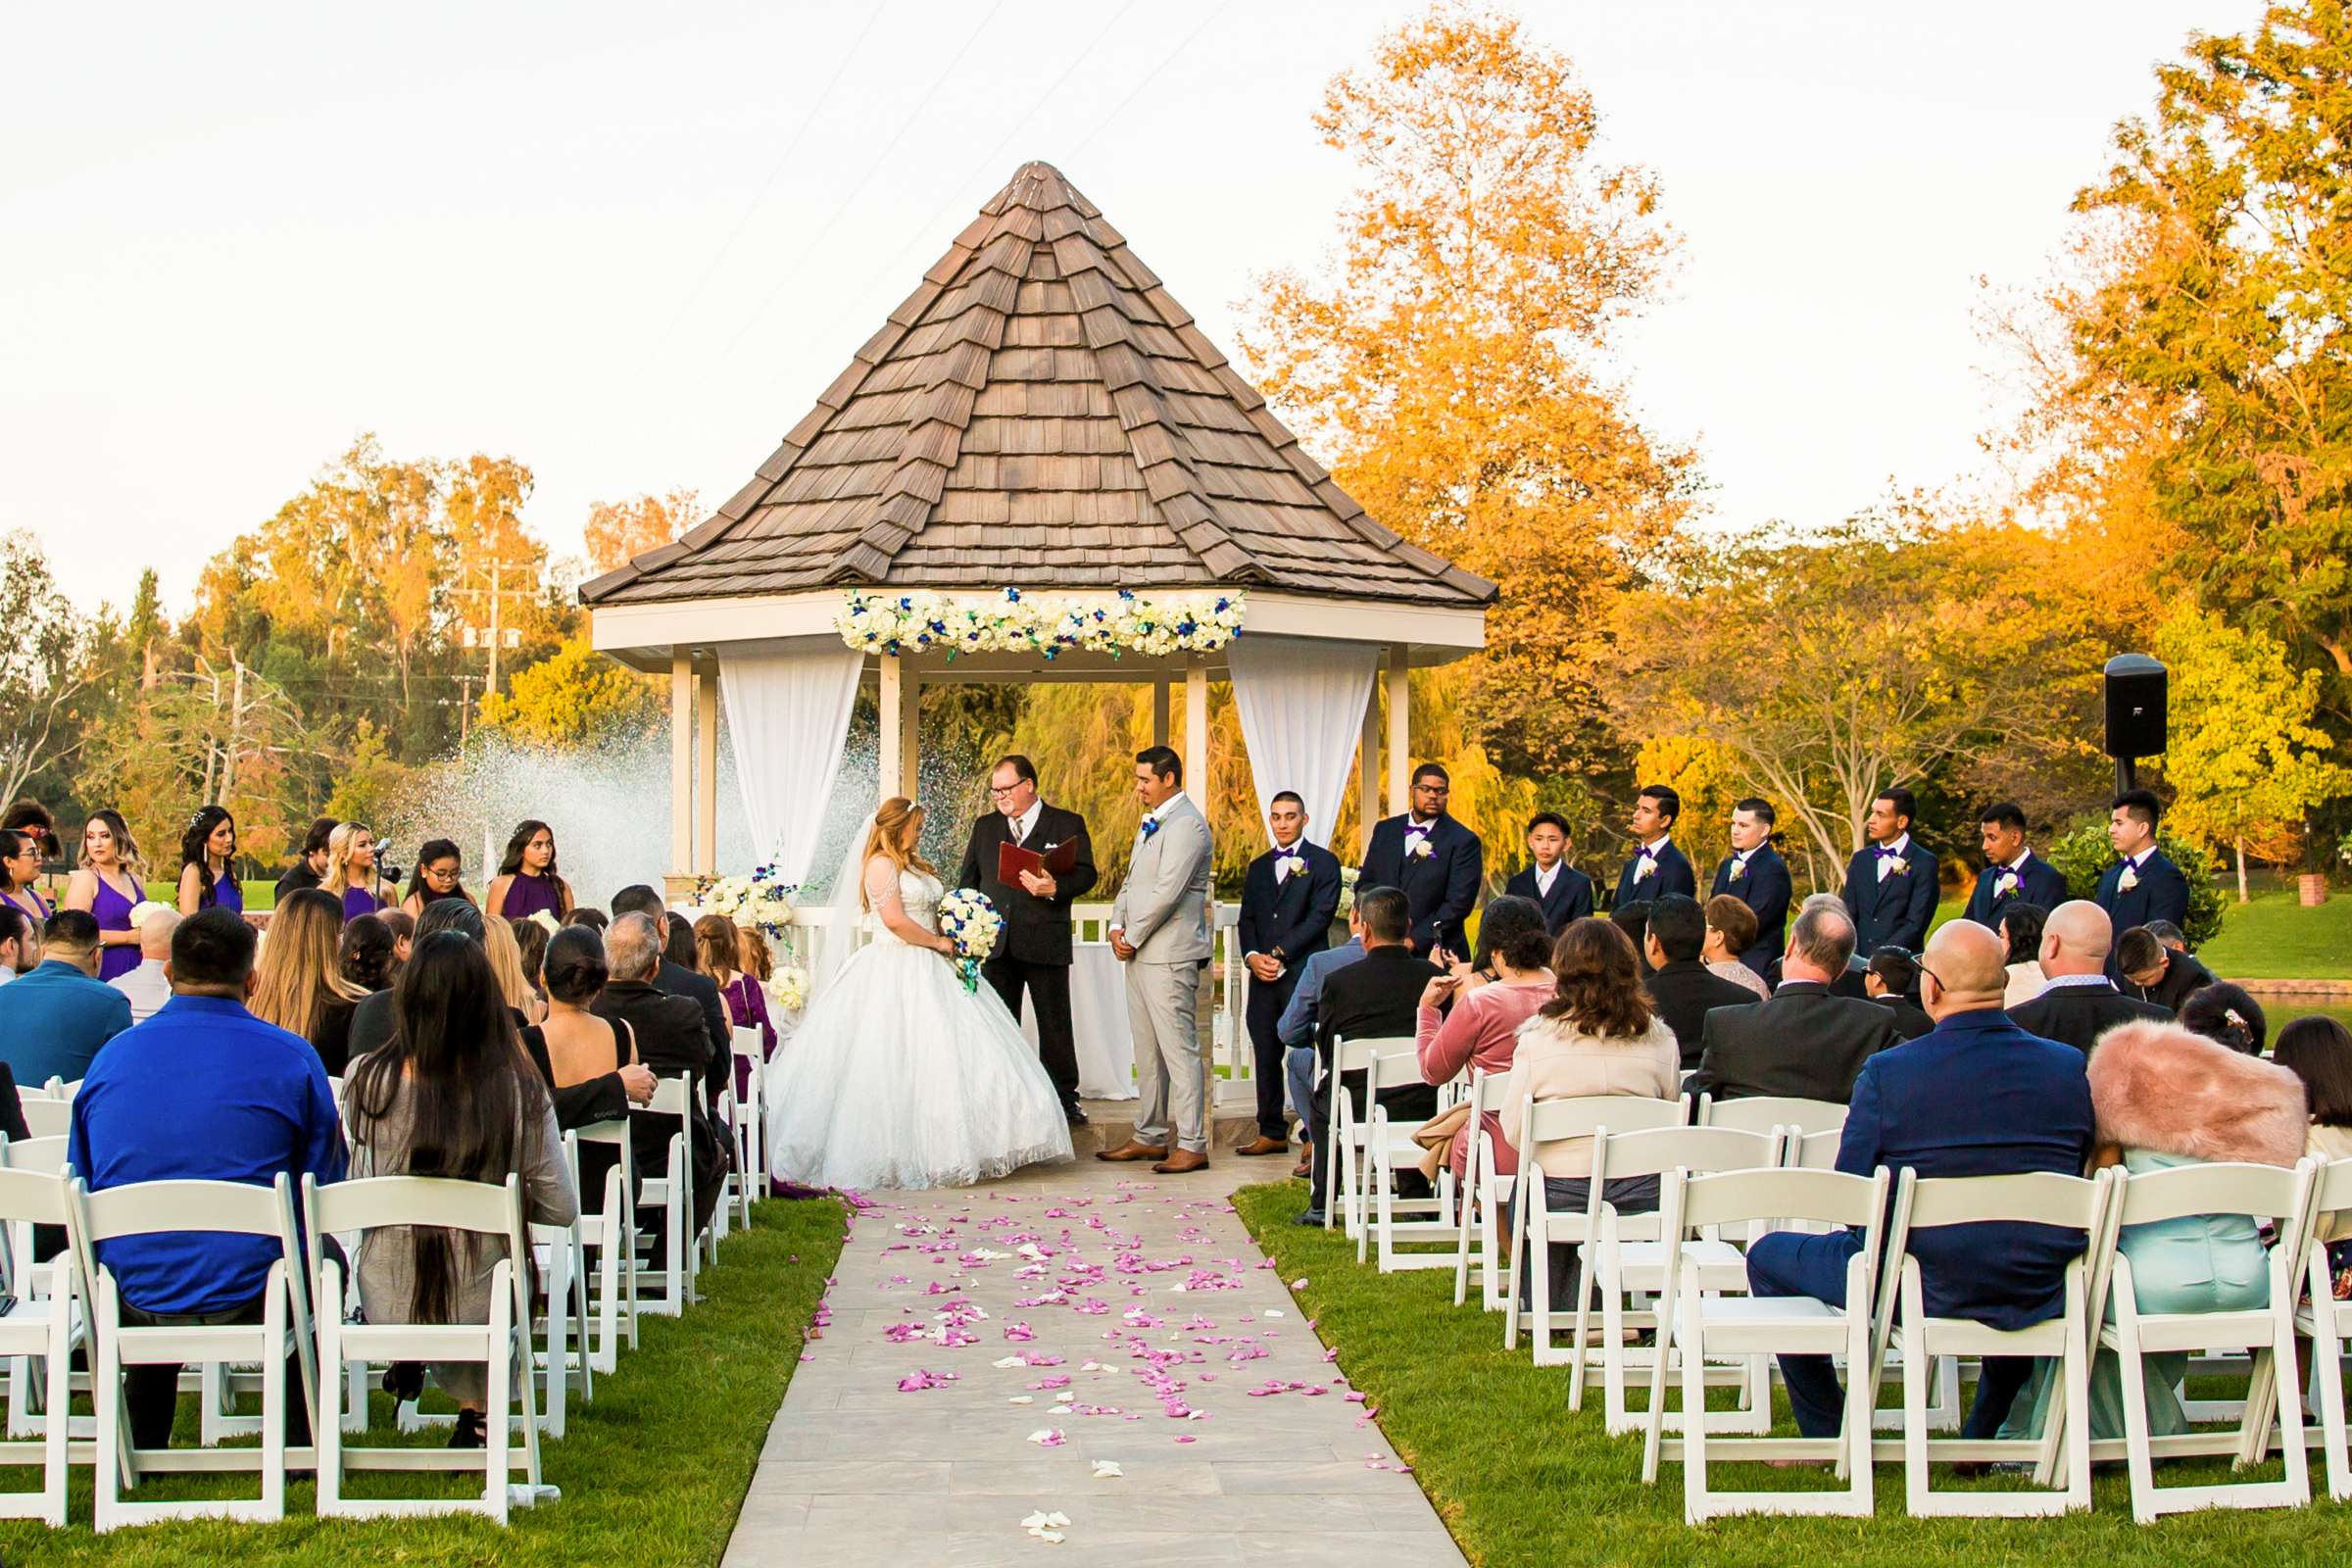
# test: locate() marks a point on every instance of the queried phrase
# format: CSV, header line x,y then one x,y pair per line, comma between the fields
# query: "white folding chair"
x,y
2264,1192
1345,1129
36,1281
749,1175
558,1332
1701,1328
1536,1228
673,1193
1761,1113
500,1345
1389,1147
611,1230
230,1208
2328,1323
1811,1151
40,1331
1481,1205
1628,1256
2042,1198
48,1118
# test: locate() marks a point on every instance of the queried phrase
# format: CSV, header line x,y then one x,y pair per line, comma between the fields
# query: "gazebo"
x,y
1040,417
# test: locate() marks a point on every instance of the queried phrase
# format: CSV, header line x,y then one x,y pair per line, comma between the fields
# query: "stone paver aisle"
x,y
1090,1341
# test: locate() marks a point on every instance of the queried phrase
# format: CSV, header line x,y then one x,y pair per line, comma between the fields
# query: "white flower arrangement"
x,y
546,921
788,988
761,899
920,620
145,907
1291,865
1350,875
970,918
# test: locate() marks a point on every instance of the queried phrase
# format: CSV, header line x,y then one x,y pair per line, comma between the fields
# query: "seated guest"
x,y
2318,1051
1482,1030
2079,1004
2165,1097
1892,979
1596,1035
364,956
1805,1042
670,1039
1563,892
677,942
593,918
718,947
1978,1096
590,1063
506,963
300,985
402,926
146,986
1633,918
203,1091
378,1013
2154,970
2228,1014
2020,938
1680,988
2168,934
452,1097
20,943
1848,983
1378,995
53,1020
531,941
679,979
1295,1029
1730,932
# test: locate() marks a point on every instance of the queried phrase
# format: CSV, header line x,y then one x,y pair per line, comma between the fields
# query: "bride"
x,y
898,1076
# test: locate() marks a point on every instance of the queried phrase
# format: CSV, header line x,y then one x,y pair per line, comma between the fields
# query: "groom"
x,y
1035,948
1160,929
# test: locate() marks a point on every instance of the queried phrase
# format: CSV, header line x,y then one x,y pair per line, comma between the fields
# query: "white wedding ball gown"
x,y
900,1078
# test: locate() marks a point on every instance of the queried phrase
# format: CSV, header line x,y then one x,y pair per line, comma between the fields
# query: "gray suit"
x,y
1162,911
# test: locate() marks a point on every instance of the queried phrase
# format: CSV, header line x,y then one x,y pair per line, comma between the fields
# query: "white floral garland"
x,y
919,621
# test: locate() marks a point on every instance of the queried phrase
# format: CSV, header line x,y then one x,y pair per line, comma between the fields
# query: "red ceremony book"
x,y
1013,860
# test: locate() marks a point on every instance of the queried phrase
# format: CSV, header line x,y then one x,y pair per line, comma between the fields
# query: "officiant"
x,y
1054,870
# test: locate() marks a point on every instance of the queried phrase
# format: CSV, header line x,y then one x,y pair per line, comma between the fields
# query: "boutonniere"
x,y
1644,870
2131,880
1897,866
2005,884
1418,848
1739,870
1291,865
1150,826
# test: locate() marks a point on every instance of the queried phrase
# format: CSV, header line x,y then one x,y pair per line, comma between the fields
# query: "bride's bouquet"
x,y
968,918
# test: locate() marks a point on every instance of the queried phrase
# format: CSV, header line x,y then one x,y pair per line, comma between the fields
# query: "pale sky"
x,y
629,244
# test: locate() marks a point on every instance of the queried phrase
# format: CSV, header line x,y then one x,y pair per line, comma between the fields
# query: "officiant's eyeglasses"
x,y
1006,789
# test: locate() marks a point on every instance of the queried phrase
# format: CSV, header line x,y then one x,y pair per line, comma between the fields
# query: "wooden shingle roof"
x,y
1040,413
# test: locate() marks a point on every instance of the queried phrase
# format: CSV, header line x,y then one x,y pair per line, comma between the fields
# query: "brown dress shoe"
x,y
1181,1161
1264,1145
1305,1166
1131,1151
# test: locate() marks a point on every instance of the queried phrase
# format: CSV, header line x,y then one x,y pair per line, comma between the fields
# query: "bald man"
x,y
1977,1096
2079,1004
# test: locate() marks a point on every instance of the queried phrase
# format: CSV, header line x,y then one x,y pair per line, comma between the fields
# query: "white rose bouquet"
x,y
969,920
1349,876
761,899
788,988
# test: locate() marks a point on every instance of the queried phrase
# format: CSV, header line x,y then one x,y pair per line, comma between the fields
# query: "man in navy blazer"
x,y
54,1017
1433,860
1290,896
1564,893
1890,882
1755,874
2013,873
1658,868
2144,884
1976,1096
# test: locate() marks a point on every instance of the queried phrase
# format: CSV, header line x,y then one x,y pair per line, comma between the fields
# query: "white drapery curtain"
x,y
1302,701
788,719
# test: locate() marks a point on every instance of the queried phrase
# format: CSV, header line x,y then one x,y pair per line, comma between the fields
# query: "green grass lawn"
x,y
2271,937
1520,1479
653,1472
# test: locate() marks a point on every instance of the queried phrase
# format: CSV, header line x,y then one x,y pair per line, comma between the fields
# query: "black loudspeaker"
x,y
2135,705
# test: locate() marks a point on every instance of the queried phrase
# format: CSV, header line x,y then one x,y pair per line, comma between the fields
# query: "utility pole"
x,y
497,634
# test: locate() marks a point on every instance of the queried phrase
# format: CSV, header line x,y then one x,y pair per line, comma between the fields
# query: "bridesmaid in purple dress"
x,y
19,871
527,881
205,852
107,885
350,873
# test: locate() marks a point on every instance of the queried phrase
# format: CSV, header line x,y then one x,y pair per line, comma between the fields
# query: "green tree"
x,y
573,698
369,784
43,664
2244,755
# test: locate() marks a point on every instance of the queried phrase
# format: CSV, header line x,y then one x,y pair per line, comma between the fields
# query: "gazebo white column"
x,y
890,755
681,760
1400,715
1196,729
705,775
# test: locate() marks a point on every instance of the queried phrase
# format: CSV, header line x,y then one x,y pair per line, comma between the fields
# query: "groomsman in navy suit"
x,y
1290,896
2144,885
1657,869
2012,873
1755,874
1433,860
1564,892
1890,882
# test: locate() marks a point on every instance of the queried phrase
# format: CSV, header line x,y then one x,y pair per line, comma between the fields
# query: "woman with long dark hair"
x,y
20,871
107,885
205,852
437,874
299,984
369,953
527,880
451,1095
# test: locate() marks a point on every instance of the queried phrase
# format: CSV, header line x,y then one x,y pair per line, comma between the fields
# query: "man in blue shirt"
x,y
203,1091
54,1019
1296,1028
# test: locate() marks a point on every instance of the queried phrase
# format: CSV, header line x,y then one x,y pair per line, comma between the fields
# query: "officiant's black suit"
x,y
1034,950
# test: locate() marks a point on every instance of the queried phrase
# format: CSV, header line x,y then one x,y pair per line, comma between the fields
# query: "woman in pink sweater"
x,y
1482,1028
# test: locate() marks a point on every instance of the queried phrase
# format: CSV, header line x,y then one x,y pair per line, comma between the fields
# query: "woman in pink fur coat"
x,y
2164,1098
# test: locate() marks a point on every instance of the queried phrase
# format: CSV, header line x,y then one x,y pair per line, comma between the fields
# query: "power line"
x,y
785,157
1165,61
905,125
